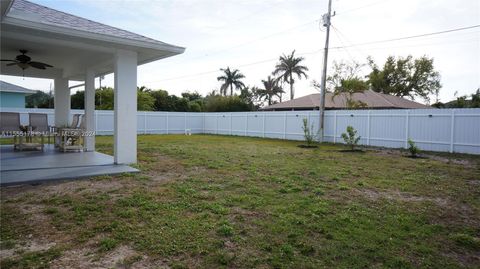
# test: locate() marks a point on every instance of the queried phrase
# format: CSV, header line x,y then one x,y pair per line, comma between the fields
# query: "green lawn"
x,y
217,201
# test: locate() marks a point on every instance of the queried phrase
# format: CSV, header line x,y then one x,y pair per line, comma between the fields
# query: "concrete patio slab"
x,y
28,167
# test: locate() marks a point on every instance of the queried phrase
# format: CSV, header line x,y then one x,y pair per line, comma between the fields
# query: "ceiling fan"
x,y
24,62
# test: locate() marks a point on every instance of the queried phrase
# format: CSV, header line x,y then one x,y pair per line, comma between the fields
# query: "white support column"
x,y
90,110
61,102
125,107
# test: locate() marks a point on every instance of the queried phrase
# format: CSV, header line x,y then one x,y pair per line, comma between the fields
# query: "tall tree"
x,y
476,99
230,78
39,100
250,96
345,79
405,77
145,101
270,90
287,67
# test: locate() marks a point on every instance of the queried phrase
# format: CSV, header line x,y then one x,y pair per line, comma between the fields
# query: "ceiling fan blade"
x,y
5,60
39,65
10,64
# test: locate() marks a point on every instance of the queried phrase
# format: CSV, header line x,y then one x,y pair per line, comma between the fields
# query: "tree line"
x,y
406,77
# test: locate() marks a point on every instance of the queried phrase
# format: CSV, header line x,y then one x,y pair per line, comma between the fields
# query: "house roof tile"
x,y
54,17
370,98
7,87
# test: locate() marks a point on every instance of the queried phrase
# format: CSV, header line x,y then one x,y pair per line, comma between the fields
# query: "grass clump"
x,y
37,259
466,241
226,229
107,244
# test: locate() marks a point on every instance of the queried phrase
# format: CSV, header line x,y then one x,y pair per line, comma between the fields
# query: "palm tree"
x,y
280,83
288,66
230,78
270,90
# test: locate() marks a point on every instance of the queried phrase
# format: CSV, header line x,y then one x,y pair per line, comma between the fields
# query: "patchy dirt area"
x,y
29,246
61,188
450,212
462,159
120,257
401,196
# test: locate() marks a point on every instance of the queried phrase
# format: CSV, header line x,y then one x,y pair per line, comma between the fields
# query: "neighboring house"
x,y
371,99
12,95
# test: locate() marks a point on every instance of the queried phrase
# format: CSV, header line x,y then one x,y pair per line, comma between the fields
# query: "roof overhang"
x,y
5,6
70,51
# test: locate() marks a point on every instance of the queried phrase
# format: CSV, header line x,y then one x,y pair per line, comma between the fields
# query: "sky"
x,y
251,35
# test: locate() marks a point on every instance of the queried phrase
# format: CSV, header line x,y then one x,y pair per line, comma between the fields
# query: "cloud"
x,y
234,33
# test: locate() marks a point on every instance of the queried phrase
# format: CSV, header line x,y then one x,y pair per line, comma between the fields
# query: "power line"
x,y
255,40
239,66
345,38
425,44
341,43
314,52
408,37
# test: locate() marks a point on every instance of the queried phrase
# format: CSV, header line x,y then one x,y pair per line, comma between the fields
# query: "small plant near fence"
x,y
413,149
308,134
351,138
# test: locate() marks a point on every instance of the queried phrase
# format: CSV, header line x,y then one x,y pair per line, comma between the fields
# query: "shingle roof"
x,y
370,98
7,87
54,17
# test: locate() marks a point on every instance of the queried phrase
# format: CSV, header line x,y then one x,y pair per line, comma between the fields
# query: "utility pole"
x,y
326,22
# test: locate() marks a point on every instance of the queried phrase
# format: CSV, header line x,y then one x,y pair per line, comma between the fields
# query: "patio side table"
x,y
69,139
26,140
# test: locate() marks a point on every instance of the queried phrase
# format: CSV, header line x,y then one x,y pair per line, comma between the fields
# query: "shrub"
x,y
351,138
218,103
412,148
308,133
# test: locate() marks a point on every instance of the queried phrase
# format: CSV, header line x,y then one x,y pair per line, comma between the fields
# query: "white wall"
x,y
449,130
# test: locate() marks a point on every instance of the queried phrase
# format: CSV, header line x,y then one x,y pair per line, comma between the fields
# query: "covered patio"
x,y
78,50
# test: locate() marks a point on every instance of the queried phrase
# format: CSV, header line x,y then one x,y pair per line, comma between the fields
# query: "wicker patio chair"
x,y
39,124
10,125
71,138
22,135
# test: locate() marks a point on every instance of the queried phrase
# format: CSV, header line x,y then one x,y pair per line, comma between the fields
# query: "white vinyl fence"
x,y
449,130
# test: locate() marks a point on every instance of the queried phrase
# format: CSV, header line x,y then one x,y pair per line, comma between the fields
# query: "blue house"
x,y
13,95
